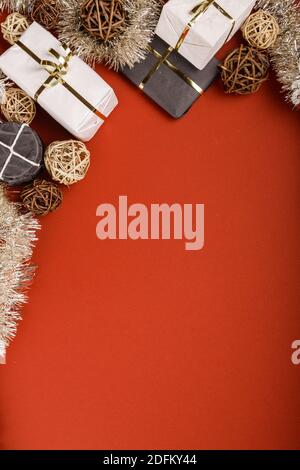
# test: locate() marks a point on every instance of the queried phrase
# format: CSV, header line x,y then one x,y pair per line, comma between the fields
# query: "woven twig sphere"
x,y
17,106
41,197
103,19
244,70
13,27
261,30
67,161
46,12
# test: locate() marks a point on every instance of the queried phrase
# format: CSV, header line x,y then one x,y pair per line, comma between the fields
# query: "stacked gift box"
x,y
180,64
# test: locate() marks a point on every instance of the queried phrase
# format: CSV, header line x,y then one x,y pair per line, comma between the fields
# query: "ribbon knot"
x,y
57,70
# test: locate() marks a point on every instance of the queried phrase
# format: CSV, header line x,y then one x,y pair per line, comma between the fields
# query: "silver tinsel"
x,y
23,6
126,49
15,5
285,55
17,238
4,84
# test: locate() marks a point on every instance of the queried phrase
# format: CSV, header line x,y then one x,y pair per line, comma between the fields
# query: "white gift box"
x,y
83,109
208,33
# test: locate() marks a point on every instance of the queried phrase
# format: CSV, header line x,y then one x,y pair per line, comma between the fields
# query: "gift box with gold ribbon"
x,y
65,86
169,79
197,29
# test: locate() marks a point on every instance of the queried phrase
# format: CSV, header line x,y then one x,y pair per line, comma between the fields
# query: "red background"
x,y
140,344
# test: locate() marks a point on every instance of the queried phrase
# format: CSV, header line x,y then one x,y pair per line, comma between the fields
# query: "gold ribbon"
x,y
197,11
178,72
57,71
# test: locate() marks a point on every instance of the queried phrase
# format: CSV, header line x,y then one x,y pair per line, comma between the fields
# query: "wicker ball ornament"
x,y
261,30
244,70
13,27
41,197
67,161
17,106
103,19
46,12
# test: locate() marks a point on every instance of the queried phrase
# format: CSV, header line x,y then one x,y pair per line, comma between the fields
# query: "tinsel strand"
x,y
23,6
16,5
285,55
127,49
17,240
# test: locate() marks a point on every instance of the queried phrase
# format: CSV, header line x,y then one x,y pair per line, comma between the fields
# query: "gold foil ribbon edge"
x,y
178,72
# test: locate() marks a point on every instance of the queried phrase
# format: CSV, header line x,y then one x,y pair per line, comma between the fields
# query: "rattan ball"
x,y
46,12
103,19
17,106
261,30
67,161
41,197
244,70
13,27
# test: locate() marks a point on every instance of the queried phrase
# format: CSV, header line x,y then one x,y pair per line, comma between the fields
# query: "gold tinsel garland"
x,y
124,49
23,6
285,54
15,5
17,235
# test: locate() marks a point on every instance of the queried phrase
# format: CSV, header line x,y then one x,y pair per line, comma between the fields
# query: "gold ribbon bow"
x,y
197,12
57,71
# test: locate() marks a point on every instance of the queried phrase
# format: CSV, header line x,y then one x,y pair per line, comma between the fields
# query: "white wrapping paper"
x,y
60,103
210,31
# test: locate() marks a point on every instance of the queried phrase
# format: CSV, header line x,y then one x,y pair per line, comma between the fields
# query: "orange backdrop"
x,y
140,344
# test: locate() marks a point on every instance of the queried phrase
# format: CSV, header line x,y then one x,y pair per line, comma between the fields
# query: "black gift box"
x,y
21,153
176,84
